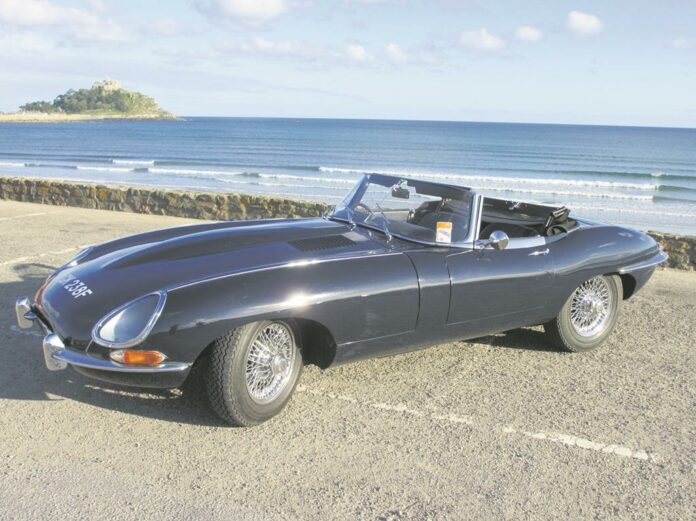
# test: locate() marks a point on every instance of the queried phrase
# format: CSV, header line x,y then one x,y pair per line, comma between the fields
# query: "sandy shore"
x,y
500,428
36,117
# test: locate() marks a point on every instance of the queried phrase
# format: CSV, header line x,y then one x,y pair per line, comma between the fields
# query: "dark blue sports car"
x,y
398,265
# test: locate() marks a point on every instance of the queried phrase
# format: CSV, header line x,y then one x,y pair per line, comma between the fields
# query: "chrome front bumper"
x,y
57,356
25,315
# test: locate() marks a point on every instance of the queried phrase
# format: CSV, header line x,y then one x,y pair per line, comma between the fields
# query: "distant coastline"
x,y
43,117
104,100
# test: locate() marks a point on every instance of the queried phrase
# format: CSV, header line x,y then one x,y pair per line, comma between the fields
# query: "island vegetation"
x,y
104,100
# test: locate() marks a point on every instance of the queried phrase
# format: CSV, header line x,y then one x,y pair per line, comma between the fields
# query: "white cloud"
x,y
23,41
291,49
253,11
351,54
527,33
584,24
682,43
104,31
358,54
421,55
396,54
481,40
88,23
31,13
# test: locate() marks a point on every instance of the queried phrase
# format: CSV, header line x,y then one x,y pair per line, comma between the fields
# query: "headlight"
x,y
77,258
130,324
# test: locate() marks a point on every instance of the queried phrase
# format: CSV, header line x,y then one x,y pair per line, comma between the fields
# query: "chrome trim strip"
x,y
517,243
654,261
142,335
474,221
84,360
63,356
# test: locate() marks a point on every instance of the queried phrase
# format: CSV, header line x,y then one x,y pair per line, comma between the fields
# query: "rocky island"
x,y
104,100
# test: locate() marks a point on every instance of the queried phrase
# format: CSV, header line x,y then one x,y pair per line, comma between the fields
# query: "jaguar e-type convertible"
x,y
400,264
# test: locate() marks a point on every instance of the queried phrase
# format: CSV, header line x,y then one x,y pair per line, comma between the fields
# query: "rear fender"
x,y
600,250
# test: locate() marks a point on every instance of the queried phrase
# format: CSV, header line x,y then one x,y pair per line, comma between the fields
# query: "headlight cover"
x,y
129,324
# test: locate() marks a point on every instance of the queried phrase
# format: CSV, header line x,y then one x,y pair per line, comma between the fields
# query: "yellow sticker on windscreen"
x,y
444,232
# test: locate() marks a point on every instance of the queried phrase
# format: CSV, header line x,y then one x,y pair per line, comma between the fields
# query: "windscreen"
x,y
413,210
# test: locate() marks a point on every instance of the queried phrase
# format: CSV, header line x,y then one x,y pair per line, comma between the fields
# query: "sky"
x,y
622,62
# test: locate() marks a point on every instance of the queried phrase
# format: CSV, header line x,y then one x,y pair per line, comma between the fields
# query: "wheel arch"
x,y
314,339
628,283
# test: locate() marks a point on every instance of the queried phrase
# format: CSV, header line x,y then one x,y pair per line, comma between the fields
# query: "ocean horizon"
x,y
643,177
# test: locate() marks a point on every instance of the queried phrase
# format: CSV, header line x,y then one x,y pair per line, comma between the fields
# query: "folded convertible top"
x,y
523,214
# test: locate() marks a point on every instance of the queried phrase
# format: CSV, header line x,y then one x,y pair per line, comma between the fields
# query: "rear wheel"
x,y
252,372
589,315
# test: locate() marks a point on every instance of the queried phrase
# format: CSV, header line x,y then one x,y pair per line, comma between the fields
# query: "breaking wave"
x,y
104,168
141,162
496,179
593,195
320,181
632,211
192,172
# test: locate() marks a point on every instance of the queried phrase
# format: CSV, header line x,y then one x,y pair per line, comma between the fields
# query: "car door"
x,y
496,290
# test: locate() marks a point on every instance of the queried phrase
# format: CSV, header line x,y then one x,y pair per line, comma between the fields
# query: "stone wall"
x,y
177,203
681,249
222,206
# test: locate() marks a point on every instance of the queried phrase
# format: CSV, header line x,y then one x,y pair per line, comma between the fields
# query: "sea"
x,y
641,177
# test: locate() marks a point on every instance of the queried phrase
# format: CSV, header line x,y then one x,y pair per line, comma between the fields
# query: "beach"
x,y
499,427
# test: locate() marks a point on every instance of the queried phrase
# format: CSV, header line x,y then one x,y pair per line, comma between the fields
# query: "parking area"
x,y
503,427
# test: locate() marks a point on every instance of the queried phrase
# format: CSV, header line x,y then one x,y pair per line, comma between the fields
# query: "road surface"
x,y
504,427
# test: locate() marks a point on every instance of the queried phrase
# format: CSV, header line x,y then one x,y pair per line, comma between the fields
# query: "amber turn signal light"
x,y
137,357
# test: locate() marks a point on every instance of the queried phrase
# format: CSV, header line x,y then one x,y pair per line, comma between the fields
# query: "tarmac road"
x,y
500,428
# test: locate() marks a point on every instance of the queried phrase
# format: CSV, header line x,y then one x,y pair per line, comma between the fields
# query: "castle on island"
x,y
107,85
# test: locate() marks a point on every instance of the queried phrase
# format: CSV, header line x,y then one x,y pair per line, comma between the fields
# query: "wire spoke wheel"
x,y
590,307
270,362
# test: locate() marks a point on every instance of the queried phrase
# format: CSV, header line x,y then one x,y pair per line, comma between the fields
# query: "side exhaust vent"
x,y
332,242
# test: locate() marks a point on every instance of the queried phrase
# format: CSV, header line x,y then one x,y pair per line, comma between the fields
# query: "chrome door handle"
x,y
539,252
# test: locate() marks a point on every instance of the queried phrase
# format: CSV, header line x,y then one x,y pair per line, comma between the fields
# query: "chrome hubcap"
x,y
590,307
279,365
270,362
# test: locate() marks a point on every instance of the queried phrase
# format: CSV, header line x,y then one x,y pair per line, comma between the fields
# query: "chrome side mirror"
x,y
498,240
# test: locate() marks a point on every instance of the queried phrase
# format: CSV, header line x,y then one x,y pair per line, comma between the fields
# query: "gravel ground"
x,y
500,428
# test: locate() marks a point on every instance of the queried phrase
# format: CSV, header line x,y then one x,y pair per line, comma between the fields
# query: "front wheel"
x,y
588,316
252,372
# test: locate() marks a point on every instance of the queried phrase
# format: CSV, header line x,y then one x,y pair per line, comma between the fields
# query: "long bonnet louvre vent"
x,y
332,242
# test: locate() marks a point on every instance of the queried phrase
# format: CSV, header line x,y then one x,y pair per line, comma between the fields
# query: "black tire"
x,y
226,380
563,334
